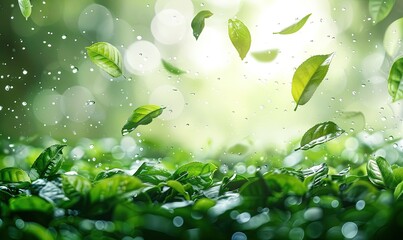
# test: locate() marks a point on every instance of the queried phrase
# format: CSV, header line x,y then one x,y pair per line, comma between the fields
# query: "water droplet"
x,y
74,69
90,102
25,72
91,146
8,88
354,93
139,37
24,104
64,37
1,108
64,140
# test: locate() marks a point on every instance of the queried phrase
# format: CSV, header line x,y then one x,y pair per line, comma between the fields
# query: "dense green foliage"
x,y
329,192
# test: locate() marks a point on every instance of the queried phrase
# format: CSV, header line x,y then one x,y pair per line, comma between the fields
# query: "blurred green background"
x,y
49,88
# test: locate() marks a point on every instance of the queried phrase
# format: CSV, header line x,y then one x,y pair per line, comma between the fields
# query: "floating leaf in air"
x,y
380,9
308,77
320,133
266,55
48,162
25,7
141,116
171,68
395,80
240,36
393,38
107,57
380,173
295,27
198,22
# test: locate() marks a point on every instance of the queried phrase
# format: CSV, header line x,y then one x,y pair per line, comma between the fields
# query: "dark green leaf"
x,y
290,185
114,187
48,162
196,173
107,57
148,173
308,77
380,9
395,80
266,55
141,116
198,22
380,173
320,133
240,37
109,173
30,203
171,68
295,27
15,177
25,7
50,190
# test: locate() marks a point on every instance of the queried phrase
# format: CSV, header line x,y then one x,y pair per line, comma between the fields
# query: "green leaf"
x,y
203,204
37,231
141,116
393,38
315,175
148,173
25,7
171,68
266,55
240,37
107,57
295,27
380,173
398,173
308,77
48,162
30,203
75,186
380,9
398,191
109,173
320,133
114,187
198,22
395,80
14,177
177,186
196,173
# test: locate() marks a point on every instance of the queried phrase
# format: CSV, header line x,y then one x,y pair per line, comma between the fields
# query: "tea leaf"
x,y
308,77
240,36
198,22
380,173
25,7
107,57
295,27
320,133
141,116
380,9
171,68
395,80
48,162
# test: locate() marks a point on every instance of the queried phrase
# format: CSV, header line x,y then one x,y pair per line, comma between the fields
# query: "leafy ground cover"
x,y
343,189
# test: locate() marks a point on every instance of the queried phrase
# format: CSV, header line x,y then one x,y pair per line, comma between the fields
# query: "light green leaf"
x,y
75,186
308,77
320,133
171,68
380,9
380,173
25,7
34,230
198,22
393,38
240,37
48,162
266,55
107,57
177,186
141,116
14,177
398,194
395,80
295,27
113,188
196,173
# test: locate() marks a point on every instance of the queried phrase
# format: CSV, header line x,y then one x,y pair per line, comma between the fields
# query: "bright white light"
x,y
185,7
142,57
169,97
169,26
